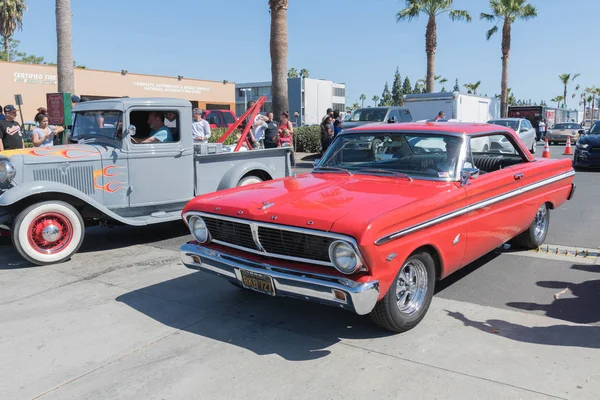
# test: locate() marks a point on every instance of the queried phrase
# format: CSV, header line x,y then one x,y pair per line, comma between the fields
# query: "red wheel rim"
x,y
50,233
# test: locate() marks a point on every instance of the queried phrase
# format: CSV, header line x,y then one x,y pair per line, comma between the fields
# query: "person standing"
x,y
542,129
440,115
11,137
271,140
326,134
43,135
200,127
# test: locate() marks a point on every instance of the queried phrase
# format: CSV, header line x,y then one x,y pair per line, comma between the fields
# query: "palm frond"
x,y
460,15
411,12
487,17
491,32
527,12
575,76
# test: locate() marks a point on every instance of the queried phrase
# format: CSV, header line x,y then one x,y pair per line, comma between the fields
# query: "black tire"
x,y
388,313
249,180
65,228
535,235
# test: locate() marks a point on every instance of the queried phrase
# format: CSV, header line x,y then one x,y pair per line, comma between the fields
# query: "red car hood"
x,y
317,201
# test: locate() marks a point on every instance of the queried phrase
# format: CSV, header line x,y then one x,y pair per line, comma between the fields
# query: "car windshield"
x,y
426,156
567,126
595,129
514,125
368,115
97,123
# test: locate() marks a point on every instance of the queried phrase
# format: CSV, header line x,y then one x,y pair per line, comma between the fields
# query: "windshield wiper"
x,y
385,171
317,169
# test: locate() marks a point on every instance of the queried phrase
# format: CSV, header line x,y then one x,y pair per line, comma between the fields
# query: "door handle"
x,y
518,176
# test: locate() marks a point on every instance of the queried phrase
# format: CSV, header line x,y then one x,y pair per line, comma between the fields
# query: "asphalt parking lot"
x,y
124,319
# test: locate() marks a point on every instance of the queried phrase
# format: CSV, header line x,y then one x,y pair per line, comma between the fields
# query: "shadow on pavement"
x,y
573,302
298,331
554,335
465,271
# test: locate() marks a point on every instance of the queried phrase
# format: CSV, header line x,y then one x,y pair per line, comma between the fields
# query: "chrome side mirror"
x,y
316,162
131,130
468,173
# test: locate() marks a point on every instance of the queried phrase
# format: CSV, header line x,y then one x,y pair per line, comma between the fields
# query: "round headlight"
x,y
199,229
344,258
7,171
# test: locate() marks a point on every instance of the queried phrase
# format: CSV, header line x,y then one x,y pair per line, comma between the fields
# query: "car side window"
x,y
502,153
394,115
527,124
155,126
213,118
228,117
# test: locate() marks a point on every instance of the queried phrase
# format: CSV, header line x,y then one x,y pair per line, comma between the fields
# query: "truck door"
x,y
161,168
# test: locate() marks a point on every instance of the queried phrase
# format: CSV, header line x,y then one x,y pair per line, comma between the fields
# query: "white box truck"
x,y
463,107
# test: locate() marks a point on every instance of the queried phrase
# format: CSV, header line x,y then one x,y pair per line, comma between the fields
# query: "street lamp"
x,y
245,96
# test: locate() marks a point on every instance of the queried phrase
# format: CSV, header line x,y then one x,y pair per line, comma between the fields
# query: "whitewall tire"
x,y
48,232
249,180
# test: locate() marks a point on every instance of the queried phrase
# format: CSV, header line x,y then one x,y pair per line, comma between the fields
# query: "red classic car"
x,y
387,211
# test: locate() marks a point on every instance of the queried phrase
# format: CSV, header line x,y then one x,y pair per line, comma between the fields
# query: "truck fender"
x,y
236,172
29,189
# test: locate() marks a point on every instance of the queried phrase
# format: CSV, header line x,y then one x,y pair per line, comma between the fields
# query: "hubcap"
x,y
411,287
541,221
50,233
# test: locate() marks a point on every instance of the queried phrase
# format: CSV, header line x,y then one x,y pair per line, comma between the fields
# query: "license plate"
x,y
257,282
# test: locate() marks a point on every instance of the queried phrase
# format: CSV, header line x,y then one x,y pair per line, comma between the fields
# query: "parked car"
x,y
379,219
28,127
560,132
48,195
587,149
369,115
219,118
522,127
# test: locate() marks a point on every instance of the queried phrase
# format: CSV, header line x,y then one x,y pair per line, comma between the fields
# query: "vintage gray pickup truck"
x,y
108,174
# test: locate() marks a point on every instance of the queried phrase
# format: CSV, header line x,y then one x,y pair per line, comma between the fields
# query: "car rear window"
x,y
228,117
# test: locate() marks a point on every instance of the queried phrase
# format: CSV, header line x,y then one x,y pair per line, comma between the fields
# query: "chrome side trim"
x,y
254,228
473,207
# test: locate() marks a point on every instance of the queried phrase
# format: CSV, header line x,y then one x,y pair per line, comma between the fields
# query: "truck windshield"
x,y
426,156
98,123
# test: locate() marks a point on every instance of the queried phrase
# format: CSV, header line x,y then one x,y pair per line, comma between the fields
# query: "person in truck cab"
x,y
160,133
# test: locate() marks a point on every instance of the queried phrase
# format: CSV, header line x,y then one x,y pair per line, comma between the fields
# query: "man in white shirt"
x,y
200,127
259,130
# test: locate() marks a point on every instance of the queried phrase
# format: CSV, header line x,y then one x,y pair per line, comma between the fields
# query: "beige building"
x,y
33,81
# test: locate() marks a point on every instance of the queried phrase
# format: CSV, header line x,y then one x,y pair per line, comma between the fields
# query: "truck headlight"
x,y
7,171
344,257
199,229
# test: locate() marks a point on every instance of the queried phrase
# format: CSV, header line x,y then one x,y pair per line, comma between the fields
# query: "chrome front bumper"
x,y
359,297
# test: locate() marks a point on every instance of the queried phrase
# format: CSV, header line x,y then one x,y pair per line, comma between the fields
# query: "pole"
x,y
21,112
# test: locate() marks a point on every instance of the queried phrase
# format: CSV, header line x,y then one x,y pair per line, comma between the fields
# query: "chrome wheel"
x,y
541,221
411,287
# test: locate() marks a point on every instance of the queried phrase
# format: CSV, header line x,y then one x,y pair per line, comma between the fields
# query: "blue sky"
x,y
355,42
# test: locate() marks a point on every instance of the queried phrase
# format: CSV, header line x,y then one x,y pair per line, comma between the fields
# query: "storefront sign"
x,y
43,79
171,88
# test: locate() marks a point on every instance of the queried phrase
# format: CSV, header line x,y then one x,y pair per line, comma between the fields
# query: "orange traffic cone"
x,y
568,150
546,153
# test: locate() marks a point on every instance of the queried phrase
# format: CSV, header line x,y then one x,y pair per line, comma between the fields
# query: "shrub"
x,y
216,133
308,139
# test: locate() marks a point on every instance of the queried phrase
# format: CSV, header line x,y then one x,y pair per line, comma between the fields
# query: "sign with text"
x,y
59,108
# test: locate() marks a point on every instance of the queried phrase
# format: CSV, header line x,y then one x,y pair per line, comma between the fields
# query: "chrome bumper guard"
x,y
359,297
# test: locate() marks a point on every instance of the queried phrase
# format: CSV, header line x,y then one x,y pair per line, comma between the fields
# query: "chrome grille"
x,y
236,233
81,177
272,240
294,244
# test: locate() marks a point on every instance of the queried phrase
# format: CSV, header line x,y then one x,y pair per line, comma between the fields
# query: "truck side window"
x,y
155,126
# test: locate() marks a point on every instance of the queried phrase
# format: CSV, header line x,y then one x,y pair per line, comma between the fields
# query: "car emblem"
x,y
266,205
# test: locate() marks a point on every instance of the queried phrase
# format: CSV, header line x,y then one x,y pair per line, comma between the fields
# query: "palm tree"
x,y
583,103
11,19
431,8
304,73
354,106
591,91
375,100
279,52
472,86
64,56
565,78
292,73
558,99
362,99
507,12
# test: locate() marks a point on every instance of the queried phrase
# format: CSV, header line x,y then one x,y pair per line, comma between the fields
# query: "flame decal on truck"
x,y
70,152
112,186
